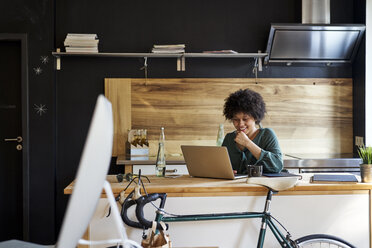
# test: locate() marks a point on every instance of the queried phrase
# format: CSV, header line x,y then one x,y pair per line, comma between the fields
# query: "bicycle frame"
x,y
266,220
265,216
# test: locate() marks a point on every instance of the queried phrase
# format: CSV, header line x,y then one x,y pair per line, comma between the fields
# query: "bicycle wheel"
x,y
322,240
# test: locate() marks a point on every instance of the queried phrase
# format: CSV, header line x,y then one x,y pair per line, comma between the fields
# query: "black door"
x,y
11,172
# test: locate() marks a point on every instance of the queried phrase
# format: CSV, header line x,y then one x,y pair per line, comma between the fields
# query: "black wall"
x,y
57,137
36,19
359,78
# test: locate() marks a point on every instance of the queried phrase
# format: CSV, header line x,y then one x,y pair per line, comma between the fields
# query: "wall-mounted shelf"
x,y
180,57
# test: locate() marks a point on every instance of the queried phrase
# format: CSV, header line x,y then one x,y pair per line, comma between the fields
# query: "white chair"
x,y
89,182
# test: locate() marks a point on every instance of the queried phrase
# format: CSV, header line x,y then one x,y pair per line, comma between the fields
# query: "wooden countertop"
x,y
189,186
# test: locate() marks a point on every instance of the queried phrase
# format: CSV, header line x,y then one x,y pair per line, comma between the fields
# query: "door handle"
x,y
19,139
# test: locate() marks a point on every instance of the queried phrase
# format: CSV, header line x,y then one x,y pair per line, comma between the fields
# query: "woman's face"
x,y
244,122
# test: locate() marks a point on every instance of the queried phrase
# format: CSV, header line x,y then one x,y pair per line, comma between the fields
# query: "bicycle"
x,y
267,220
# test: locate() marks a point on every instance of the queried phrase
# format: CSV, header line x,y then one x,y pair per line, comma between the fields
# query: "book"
x,y
75,36
168,51
333,178
176,46
221,52
69,42
82,49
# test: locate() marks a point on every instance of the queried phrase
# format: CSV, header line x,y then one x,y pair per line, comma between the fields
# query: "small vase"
x,y
366,173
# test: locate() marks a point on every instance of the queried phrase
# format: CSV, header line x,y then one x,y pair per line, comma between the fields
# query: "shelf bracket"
x,y
58,60
144,68
181,63
260,63
257,63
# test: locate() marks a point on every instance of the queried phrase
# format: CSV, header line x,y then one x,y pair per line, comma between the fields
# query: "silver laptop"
x,y
209,161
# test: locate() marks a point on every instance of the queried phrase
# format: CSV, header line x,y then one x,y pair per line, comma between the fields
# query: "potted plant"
x,y
365,153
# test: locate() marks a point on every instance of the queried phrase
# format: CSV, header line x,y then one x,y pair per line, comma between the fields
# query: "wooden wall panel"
x,y
118,91
310,116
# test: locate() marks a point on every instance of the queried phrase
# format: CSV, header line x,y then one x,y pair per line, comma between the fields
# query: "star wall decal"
x,y
44,59
40,109
38,70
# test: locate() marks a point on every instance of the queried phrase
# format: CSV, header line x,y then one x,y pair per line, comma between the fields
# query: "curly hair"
x,y
246,101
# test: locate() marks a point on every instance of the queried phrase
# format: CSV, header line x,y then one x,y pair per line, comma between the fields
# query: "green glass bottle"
x,y
220,135
160,160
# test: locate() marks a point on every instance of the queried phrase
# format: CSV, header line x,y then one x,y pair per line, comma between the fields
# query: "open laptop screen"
x,y
208,161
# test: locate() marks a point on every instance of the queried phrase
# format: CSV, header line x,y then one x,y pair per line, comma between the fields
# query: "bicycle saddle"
x,y
274,183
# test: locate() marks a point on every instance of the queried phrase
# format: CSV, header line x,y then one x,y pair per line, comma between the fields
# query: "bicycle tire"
x,y
311,240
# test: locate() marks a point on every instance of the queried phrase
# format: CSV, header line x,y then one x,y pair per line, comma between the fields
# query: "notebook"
x,y
208,161
334,178
281,174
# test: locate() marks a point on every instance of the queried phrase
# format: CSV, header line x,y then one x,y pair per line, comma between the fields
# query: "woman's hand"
x,y
241,138
243,141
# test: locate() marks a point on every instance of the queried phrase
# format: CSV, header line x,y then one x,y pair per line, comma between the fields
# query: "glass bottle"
x,y
220,135
160,160
135,140
144,140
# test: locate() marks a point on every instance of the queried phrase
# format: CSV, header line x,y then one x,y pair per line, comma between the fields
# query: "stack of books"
x,y
81,43
179,48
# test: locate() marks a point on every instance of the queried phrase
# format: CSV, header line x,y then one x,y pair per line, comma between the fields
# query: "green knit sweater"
x,y
271,155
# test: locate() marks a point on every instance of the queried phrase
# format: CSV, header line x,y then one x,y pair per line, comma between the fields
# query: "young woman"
x,y
250,144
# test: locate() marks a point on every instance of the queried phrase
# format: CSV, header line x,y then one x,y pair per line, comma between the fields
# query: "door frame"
x,y
25,128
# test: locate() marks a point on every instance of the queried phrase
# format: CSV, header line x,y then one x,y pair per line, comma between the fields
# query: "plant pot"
x,y
366,173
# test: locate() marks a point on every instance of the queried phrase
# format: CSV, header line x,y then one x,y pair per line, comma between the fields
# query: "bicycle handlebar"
x,y
124,212
142,201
